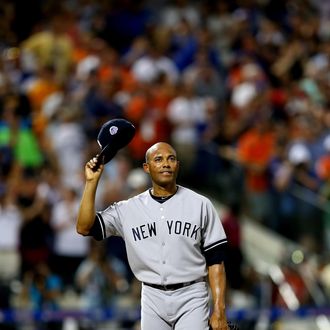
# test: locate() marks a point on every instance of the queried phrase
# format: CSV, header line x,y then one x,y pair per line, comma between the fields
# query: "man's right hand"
x,y
94,169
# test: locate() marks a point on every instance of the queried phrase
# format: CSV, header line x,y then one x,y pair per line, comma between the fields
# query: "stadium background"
x,y
240,88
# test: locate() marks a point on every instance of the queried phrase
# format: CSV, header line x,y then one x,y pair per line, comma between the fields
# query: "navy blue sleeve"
x,y
216,253
98,229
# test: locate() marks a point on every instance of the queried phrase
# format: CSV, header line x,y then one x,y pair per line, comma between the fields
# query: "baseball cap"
x,y
114,135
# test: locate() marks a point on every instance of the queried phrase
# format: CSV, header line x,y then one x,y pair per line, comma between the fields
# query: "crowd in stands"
x,y
240,88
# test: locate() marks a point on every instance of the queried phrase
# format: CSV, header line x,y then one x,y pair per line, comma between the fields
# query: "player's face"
x,y
162,164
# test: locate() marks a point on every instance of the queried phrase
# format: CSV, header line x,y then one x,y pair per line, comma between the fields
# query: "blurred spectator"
x,y
206,77
88,58
11,220
305,187
41,291
100,103
90,15
176,10
234,257
97,279
147,68
65,137
186,43
146,108
18,141
297,185
224,170
37,89
222,25
50,47
187,113
36,235
69,248
255,148
11,95
138,48
114,71
251,82
50,184
283,202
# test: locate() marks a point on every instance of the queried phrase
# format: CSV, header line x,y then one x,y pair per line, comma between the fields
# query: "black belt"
x,y
172,287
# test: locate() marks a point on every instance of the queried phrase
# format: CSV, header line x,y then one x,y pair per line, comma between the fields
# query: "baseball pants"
x,y
182,309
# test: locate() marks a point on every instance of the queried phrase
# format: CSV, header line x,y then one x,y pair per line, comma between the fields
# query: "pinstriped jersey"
x,y
166,242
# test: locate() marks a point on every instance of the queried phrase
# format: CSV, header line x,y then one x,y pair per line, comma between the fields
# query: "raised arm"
x,y
217,280
86,214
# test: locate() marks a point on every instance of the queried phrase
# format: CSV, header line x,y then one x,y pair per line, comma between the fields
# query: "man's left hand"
x,y
218,321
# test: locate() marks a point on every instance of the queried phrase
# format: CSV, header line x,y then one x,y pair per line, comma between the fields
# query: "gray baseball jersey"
x,y
166,243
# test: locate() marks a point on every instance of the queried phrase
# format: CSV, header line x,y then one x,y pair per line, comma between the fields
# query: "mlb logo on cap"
x,y
114,135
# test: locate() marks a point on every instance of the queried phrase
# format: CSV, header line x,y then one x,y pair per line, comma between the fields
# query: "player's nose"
x,y
166,164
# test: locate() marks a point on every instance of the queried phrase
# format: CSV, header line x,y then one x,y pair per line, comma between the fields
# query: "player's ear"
x,y
146,167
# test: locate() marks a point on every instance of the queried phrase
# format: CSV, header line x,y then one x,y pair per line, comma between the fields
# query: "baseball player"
x,y
175,245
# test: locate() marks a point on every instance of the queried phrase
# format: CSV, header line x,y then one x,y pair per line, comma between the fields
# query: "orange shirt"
x,y
128,83
322,167
136,108
151,125
37,94
255,149
39,91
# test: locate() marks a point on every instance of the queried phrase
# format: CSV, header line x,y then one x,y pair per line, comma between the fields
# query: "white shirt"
x,y
67,241
10,222
147,68
185,114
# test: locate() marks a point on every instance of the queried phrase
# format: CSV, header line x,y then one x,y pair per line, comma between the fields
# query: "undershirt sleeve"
x,y
216,253
98,229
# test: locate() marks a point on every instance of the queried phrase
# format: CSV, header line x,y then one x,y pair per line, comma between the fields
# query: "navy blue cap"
x,y
114,135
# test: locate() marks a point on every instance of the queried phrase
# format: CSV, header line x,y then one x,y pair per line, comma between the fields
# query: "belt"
x,y
172,287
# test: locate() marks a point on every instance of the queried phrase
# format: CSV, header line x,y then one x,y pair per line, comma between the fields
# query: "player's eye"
x,y
172,159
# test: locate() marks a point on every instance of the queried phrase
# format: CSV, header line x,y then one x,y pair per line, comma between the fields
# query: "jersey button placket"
x,y
162,218
163,261
162,214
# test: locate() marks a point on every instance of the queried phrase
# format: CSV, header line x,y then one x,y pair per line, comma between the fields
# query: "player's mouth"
x,y
166,172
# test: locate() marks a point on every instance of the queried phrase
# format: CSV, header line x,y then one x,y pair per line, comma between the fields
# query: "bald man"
x,y
175,245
